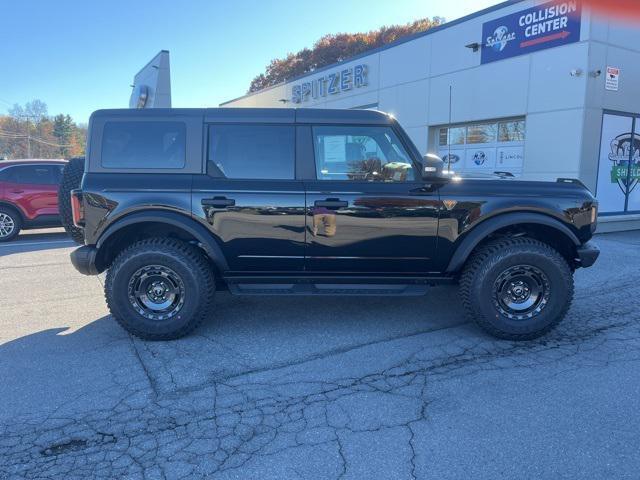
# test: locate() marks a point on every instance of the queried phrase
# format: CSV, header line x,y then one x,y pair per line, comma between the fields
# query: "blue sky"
x,y
78,56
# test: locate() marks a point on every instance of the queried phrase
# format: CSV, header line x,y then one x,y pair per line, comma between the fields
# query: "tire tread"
x,y
71,179
170,247
479,258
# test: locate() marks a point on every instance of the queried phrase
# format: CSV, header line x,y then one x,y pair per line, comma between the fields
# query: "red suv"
x,y
28,195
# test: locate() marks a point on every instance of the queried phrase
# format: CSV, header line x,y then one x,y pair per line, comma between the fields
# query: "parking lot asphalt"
x,y
285,388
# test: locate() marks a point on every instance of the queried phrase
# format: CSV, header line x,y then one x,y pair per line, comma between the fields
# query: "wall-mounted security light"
x,y
475,46
576,72
283,100
596,73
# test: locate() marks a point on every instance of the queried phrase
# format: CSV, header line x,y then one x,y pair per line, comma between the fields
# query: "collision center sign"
x,y
545,26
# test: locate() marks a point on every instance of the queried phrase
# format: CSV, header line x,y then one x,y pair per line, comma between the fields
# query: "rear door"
x,y
250,197
34,188
368,211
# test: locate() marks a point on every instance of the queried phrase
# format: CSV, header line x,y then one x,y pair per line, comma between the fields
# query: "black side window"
x,y
32,175
252,151
152,145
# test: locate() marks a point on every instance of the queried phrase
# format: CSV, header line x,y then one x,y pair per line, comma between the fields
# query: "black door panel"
x,y
260,225
383,228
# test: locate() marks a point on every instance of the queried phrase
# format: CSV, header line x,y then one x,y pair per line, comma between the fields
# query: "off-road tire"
x,y
71,179
489,261
185,260
17,223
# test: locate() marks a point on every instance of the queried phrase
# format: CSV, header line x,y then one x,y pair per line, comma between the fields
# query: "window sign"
x,y
619,165
454,158
484,147
480,159
509,158
335,148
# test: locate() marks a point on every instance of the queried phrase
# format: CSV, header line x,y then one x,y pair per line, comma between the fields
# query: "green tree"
x,y
63,131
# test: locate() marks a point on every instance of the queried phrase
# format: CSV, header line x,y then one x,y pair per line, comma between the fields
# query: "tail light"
x,y
77,209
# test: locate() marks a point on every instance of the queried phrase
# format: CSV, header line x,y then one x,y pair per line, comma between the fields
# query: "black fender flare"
x,y
188,224
485,228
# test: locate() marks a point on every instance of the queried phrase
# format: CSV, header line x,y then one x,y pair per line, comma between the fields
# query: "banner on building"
x,y
619,167
548,25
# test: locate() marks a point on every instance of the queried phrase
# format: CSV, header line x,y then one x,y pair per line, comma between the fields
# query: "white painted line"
x,y
44,242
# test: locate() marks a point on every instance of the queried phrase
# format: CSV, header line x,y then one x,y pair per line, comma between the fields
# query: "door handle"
x,y
331,203
218,202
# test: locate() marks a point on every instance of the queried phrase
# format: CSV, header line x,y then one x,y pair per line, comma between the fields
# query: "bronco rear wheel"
x,y
516,288
160,289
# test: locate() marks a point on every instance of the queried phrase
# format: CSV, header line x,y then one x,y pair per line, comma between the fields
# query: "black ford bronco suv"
x,y
177,203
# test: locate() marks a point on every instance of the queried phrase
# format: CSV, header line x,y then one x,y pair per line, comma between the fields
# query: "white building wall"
x,y
563,111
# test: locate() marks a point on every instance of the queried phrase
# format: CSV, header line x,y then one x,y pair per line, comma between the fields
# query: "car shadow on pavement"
x,y
244,334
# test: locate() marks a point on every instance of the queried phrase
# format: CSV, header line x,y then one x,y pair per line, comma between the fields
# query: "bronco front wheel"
x,y
516,288
160,289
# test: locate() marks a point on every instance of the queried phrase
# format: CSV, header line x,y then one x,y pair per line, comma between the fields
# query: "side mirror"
x,y
432,166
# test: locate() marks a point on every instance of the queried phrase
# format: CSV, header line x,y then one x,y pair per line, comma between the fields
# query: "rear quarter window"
x,y
140,145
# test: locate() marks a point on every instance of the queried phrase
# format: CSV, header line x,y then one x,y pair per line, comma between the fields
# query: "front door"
x,y
250,199
368,211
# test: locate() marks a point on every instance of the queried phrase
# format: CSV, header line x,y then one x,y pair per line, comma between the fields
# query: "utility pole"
x,y
28,138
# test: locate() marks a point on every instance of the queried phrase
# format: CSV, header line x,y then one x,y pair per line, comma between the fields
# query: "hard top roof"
x,y
256,115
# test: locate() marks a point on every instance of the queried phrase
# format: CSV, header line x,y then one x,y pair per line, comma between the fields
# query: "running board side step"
x,y
326,289
344,285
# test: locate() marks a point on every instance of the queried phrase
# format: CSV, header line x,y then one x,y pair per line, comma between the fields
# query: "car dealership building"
x,y
540,90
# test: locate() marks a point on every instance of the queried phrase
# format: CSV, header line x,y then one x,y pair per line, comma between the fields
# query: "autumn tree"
x,y
29,132
335,48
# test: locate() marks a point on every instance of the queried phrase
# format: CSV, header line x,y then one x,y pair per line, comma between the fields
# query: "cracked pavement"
x,y
324,388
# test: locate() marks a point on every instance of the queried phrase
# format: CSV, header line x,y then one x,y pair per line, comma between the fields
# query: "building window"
x,y
483,146
511,131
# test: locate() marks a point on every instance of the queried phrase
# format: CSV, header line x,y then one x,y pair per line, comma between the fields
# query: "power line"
x,y
35,139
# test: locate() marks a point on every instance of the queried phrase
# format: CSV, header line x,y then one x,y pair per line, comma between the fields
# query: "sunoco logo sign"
x,y
545,26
